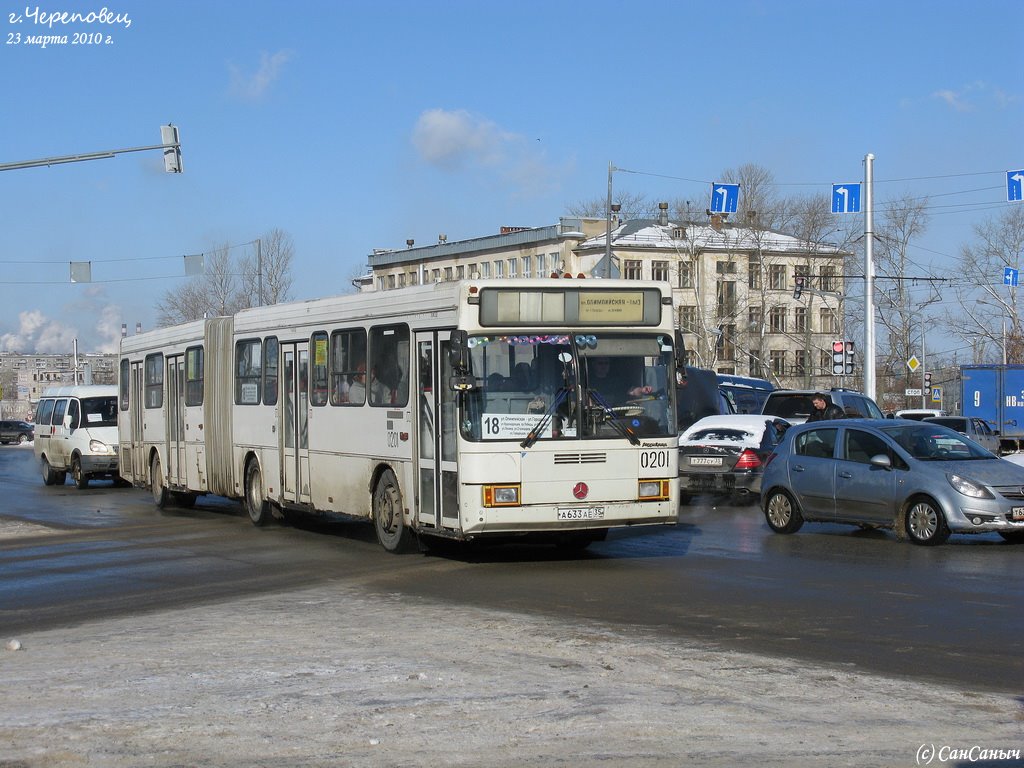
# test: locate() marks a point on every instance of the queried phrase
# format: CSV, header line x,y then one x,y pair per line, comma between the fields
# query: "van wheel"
x,y
50,475
782,513
389,516
255,504
81,479
161,496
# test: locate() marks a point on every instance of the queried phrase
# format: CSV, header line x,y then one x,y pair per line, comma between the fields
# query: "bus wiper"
x,y
609,412
545,419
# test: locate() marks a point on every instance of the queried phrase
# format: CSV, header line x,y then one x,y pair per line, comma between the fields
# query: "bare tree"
x,y
985,305
269,268
228,285
634,206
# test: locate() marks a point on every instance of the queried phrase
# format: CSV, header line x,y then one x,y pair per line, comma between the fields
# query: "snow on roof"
x,y
649,233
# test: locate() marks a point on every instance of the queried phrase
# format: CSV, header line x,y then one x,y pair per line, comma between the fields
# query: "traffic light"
x,y
798,286
838,358
928,380
172,148
849,358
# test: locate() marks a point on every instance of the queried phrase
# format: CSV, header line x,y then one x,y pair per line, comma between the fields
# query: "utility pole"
x,y
869,278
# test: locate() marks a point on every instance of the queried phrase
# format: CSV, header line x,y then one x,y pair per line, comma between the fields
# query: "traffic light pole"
x,y
171,149
869,278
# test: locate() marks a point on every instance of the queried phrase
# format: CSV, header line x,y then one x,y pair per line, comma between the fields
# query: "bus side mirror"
x,y
680,351
458,352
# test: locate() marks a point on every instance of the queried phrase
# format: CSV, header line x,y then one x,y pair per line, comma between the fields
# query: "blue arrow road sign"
x,y
724,197
846,198
1014,185
1010,276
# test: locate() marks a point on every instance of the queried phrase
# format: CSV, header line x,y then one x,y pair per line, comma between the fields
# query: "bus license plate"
x,y
581,513
1017,513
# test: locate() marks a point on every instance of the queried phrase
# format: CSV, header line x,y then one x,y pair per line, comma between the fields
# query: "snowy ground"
x,y
334,676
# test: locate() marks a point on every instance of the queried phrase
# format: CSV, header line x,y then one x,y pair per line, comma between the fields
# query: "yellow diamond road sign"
x,y
913,363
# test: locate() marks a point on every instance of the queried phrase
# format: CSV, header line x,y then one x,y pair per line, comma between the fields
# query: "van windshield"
x,y
99,411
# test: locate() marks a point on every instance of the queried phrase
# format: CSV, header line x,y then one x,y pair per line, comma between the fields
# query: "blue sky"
x,y
355,126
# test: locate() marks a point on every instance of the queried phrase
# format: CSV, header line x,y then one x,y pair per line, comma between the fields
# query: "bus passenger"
x,y
357,389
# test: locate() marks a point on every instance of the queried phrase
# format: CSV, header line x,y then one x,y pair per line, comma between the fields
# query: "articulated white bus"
x,y
462,410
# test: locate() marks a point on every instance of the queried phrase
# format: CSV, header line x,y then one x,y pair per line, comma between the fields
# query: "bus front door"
x,y
295,422
436,433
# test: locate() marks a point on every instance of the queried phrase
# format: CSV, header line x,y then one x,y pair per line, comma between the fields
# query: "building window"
x,y
512,267
754,364
828,278
800,362
391,281
527,261
725,267
754,319
382,283
754,272
413,278
727,342
485,269
554,262
777,359
800,319
541,272
827,321
688,319
777,277
460,272
726,290
447,274
686,274
401,280
659,270
436,274
471,271
499,268
777,320
632,270
825,361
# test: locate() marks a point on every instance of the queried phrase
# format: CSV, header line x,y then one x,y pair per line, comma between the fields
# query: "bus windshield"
x,y
569,387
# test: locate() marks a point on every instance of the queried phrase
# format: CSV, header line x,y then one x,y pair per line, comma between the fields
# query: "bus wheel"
x,y
388,516
81,479
255,504
161,497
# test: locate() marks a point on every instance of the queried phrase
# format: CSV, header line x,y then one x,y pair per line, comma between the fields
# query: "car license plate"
x,y
705,461
1017,513
581,513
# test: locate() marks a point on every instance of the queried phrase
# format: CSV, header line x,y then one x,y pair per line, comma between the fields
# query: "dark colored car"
x,y
724,455
923,480
794,405
14,431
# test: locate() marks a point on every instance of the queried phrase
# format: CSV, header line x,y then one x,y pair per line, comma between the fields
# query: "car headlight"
x,y
969,487
98,446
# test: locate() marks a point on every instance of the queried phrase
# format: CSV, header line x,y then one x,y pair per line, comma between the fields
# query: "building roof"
x,y
651,233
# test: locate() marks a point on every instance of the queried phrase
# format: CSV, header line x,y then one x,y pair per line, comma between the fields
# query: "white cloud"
x,y
96,324
38,333
459,141
974,95
252,87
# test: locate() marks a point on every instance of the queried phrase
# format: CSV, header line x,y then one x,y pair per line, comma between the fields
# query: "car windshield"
x,y
569,387
932,442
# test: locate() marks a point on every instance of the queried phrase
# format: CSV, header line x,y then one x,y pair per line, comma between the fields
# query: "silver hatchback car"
x,y
924,480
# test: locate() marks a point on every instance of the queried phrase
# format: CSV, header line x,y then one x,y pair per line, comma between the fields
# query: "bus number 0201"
x,y
654,459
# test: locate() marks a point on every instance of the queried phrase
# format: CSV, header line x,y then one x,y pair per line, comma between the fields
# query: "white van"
x,y
76,432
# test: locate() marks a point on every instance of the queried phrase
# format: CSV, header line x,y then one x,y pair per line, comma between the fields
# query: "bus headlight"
x,y
501,495
653,490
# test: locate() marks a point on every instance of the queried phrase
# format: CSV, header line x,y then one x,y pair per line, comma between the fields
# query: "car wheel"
x,y
1014,537
81,479
257,507
22,439
388,515
781,512
925,523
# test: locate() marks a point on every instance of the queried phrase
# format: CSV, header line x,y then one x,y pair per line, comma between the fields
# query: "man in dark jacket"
x,y
823,409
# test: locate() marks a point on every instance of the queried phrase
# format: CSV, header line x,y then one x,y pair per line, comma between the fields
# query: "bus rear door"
x,y
295,421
